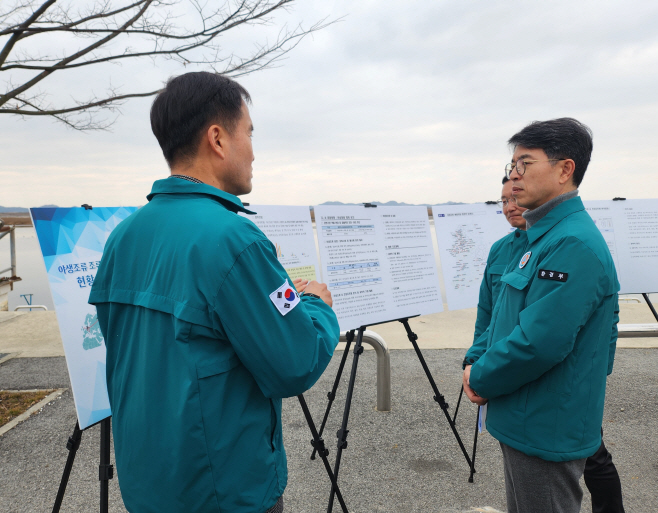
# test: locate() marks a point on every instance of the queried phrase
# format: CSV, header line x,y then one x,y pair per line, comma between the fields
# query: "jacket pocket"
x,y
208,369
498,269
516,280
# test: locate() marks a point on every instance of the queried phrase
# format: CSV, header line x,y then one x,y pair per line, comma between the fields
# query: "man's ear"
x,y
217,140
568,167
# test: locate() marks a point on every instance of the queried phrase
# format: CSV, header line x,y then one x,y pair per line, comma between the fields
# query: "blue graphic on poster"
x,y
72,242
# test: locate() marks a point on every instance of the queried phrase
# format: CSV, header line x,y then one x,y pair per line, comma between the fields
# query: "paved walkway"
x,y
404,461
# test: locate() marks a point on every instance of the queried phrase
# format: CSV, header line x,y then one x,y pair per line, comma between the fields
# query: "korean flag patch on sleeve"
x,y
285,298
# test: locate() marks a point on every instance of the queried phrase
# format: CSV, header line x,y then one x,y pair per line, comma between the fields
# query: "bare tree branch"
x,y
138,29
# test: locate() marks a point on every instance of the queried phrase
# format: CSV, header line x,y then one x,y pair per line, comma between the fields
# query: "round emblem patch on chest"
x,y
524,259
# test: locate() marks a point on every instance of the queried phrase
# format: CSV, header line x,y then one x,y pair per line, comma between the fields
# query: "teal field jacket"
x,y
551,340
502,252
198,354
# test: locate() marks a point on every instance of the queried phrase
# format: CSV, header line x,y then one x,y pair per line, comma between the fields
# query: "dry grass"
x,y
12,404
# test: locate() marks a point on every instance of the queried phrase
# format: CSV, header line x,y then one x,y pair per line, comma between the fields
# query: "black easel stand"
x,y
475,440
437,395
343,431
318,447
105,469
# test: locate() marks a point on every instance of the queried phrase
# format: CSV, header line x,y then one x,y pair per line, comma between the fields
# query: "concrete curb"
x,y
24,416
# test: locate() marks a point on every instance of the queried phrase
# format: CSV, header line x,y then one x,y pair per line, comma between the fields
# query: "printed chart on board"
x,y
291,231
630,229
465,234
378,263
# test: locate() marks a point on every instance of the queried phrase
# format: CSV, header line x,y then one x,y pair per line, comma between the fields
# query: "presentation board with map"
x,y
378,263
465,234
72,242
291,231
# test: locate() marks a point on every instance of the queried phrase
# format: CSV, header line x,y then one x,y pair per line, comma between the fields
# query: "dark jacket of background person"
x,y
198,356
550,344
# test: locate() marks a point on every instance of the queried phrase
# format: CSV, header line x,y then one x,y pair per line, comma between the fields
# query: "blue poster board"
x,y
72,242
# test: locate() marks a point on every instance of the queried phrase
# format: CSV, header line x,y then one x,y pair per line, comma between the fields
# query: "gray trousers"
x,y
533,485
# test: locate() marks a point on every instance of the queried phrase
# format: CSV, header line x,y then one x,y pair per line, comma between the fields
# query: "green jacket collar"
x,y
178,186
554,217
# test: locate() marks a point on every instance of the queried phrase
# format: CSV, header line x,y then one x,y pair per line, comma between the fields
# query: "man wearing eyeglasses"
x,y
551,340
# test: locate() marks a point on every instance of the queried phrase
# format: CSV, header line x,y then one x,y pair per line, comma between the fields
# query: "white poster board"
x,y
465,234
630,228
72,242
378,263
290,229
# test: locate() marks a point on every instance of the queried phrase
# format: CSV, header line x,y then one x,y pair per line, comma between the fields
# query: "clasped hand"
x,y
470,393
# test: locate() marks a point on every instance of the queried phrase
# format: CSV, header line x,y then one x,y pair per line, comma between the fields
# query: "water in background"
x,y
29,266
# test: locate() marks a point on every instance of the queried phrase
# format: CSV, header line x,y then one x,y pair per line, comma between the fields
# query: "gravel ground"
x,y
405,460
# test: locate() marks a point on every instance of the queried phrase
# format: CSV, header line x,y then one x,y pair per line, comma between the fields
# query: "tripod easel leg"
x,y
72,445
437,395
475,443
332,395
318,446
105,469
459,401
343,431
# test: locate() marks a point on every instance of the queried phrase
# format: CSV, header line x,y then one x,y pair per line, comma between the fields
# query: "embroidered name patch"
x,y
545,274
285,298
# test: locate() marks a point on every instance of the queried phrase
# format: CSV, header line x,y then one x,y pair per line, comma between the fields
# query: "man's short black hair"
x,y
563,138
505,180
188,105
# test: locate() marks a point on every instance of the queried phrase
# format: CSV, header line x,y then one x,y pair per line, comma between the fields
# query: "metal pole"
x,y
343,431
332,395
105,469
318,444
653,310
12,249
475,443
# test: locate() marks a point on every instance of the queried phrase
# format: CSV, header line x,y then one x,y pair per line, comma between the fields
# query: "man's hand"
x,y
319,289
470,393
300,284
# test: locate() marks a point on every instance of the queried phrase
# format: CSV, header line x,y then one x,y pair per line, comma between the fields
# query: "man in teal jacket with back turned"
x,y
204,330
551,340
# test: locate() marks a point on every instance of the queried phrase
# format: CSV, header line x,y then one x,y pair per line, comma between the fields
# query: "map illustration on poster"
x,y
72,242
465,234
291,231
378,263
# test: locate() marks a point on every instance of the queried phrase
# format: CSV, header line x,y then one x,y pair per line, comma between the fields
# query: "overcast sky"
x,y
407,101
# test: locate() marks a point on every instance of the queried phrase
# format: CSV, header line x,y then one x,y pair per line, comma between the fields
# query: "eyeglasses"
x,y
521,166
504,202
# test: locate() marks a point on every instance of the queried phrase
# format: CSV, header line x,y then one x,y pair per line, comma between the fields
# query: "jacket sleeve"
x,y
548,325
286,354
476,350
613,337
485,306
